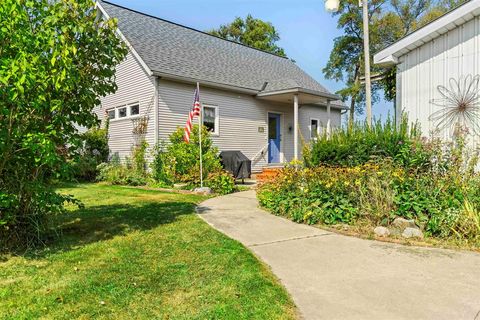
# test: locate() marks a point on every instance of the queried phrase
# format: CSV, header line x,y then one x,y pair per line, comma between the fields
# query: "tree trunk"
x,y
352,112
351,120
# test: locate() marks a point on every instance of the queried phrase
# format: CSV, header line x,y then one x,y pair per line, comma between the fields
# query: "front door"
x,y
273,138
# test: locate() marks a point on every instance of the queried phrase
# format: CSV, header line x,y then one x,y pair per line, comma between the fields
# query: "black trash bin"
x,y
237,164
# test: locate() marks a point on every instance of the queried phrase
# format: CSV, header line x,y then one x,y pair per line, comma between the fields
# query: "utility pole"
x,y
333,6
366,53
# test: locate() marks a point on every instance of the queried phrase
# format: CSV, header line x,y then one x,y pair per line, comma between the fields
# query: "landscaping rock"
x,y
381,231
204,190
412,233
402,223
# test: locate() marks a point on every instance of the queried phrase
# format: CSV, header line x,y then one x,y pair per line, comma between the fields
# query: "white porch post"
x,y
328,119
295,127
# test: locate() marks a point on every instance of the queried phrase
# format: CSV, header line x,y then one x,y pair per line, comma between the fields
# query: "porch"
x,y
277,129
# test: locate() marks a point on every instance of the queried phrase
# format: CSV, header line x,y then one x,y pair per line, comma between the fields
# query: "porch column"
x,y
295,127
328,119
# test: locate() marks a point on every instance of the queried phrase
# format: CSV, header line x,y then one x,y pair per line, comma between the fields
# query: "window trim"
x,y
129,111
318,128
216,132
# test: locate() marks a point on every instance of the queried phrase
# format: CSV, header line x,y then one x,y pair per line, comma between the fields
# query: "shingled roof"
x,y
173,49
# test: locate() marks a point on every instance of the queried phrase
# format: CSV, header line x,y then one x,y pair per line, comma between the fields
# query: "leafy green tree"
x,y
389,21
346,59
407,16
252,32
57,57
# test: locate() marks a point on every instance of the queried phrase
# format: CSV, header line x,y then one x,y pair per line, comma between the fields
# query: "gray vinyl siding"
x,y
134,85
308,112
240,117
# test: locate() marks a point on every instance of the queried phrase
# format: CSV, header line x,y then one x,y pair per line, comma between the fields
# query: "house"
x,y
253,101
443,56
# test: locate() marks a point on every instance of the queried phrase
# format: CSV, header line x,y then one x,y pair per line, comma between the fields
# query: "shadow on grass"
x,y
103,222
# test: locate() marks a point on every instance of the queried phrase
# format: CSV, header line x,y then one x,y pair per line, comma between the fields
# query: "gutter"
x,y
327,95
211,84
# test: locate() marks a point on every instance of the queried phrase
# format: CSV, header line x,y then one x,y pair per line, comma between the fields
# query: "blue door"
x,y
273,138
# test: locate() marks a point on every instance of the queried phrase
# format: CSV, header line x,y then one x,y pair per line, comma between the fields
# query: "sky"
x,y
306,29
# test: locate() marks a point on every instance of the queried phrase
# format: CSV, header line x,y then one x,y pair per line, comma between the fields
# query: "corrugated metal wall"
x,y
451,55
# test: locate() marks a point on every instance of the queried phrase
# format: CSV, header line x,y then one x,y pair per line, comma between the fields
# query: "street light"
x,y
332,6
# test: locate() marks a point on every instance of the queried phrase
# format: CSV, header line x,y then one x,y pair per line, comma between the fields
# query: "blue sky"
x,y
306,29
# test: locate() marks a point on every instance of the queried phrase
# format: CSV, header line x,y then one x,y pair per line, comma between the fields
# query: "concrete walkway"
x,y
332,276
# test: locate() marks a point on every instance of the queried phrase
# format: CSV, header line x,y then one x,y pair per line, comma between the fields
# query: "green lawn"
x,y
138,254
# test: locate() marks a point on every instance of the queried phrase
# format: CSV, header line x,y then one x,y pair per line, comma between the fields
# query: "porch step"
x,y
268,174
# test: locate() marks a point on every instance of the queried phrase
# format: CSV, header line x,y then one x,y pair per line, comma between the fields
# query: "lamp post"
x,y
332,6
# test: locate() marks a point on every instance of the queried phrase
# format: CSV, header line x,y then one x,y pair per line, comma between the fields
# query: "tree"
x,y
252,32
346,59
57,59
406,17
389,21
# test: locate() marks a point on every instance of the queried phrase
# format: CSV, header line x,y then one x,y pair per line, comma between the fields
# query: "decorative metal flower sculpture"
x,y
460,105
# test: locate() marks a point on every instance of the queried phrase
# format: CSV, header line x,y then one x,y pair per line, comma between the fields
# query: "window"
x,y
210,118
122,112
111,114
134,110
314,128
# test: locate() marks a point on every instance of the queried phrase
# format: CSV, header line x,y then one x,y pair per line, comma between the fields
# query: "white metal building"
x,y
447,48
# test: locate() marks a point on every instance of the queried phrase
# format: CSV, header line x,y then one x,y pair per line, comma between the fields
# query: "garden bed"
x,y
384,181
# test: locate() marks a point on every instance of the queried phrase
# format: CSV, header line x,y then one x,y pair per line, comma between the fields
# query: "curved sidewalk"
x,y
331,276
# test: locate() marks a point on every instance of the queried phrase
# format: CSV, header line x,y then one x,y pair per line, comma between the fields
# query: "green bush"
x,y
221,182
57,60
120,174
162,166
441,193
94,150
360,144
178,161
139,160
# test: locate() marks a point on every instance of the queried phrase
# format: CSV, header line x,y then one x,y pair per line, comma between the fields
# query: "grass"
x,y
138,254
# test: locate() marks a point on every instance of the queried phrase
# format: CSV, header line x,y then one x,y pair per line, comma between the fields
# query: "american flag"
x,y
194,112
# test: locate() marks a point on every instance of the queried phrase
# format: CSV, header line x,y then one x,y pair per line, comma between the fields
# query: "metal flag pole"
x,y
200,135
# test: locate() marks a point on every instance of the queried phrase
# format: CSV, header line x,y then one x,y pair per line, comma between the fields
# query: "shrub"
x,y
139,160
162,166
120,174
180,161
57,60
360,144
220,182
442,194
311,195
94,150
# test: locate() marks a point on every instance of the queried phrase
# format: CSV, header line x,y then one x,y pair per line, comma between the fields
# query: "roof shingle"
x,y
180,51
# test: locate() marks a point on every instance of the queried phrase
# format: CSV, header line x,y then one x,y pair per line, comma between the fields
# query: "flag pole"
x,y
200,136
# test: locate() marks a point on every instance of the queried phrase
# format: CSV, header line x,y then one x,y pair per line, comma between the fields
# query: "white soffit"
x,y
442,25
